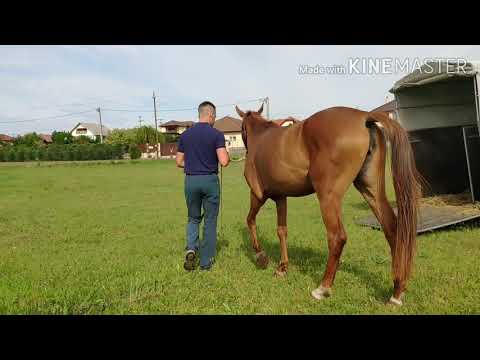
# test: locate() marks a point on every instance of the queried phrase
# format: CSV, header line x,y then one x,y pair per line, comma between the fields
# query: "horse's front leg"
x,y
282,235
255,205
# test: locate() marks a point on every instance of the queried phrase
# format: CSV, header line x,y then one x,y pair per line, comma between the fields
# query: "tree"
x,y
30,139
82,139
62,137
135,152
171,138
122,137
146,135
135,136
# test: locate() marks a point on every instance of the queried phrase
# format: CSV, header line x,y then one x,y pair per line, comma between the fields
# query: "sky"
x,y
46,88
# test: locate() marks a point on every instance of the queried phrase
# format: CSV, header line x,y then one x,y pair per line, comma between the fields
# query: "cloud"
x,y
41,81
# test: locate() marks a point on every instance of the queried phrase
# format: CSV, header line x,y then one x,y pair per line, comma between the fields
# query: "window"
x,y
81,131
233,138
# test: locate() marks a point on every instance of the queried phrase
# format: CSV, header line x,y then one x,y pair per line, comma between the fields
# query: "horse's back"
x,y
336,128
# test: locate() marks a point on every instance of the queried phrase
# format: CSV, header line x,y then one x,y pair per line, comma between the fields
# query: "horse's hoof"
x,y
280,273
262,260
395,302
321,293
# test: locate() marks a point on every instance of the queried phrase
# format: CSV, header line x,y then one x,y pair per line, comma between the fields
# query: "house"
x,y
286,122
91,130
389,108
232,129
175,127
6,139
47,139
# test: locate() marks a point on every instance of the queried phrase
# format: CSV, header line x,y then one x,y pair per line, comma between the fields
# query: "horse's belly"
x,y
289,183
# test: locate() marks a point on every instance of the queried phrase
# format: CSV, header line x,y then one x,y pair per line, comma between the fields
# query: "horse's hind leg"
x,y
330,193
282,235
373,191
255,205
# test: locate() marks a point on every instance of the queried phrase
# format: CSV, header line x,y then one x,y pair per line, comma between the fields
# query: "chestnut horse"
x,y
325,154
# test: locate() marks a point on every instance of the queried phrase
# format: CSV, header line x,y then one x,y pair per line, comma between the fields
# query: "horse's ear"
x,y
239,112
260,110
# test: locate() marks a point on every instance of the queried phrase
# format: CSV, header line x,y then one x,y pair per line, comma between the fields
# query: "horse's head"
x,y
248,119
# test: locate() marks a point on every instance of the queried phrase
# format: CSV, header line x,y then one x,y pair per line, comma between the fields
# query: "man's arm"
x,y
223,157
180,159
222,154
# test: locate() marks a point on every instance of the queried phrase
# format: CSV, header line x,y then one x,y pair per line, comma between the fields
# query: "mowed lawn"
x,y
109,239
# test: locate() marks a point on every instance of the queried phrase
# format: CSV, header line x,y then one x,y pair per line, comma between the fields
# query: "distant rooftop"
x,y
228,124
94,128
178,123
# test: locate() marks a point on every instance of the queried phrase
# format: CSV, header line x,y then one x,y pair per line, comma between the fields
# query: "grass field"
x,y
109,239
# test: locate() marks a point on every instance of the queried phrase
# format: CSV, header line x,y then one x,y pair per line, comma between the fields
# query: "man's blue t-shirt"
x,y
200,144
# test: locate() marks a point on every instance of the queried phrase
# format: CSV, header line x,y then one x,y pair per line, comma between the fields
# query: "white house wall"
x,y
89,134
235,140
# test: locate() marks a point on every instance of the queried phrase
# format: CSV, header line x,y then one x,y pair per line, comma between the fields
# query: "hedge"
x,y
69,152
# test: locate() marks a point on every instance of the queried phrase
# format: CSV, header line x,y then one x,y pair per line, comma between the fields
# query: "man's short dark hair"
x,y
204,105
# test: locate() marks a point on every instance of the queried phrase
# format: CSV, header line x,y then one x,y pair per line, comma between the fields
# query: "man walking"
x,y
200,149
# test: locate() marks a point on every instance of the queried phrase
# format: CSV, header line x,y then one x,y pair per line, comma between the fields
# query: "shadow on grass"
x,y
312,262
360,206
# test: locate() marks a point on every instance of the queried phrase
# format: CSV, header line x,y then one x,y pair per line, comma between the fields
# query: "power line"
x,y
121,110
183,109
45,118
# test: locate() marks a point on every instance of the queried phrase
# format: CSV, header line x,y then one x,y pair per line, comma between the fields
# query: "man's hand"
x,y
180,159
223,157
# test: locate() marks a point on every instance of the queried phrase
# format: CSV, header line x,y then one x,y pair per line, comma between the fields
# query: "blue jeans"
x,y
202,191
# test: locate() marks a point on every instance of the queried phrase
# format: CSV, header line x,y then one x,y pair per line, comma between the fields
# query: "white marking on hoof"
x,y
321,293
394,301
280,273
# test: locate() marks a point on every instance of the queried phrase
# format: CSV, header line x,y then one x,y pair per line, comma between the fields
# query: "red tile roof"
x,y
6,138
46,138
228,124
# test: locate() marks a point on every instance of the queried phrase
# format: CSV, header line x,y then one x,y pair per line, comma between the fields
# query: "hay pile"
x,y
462,201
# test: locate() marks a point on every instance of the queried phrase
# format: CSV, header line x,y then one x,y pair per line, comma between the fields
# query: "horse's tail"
x,y
407,184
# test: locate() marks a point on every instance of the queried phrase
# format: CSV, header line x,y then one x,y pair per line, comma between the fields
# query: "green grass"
x,y
109,239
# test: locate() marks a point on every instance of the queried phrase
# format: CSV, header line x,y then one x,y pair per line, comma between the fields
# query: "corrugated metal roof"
x,y
434,71
388,107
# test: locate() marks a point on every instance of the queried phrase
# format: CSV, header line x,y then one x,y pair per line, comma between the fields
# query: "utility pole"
x,y
156,125
101,126
267,101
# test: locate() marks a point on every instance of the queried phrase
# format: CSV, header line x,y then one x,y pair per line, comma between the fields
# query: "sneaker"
x,y
190,258
209,266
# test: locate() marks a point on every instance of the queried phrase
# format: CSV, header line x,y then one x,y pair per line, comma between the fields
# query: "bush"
x,y
68,152
11,155
2,155
35,154
42,154
62,137
117,151
82,140
20,154
29,155
135,152
99,152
